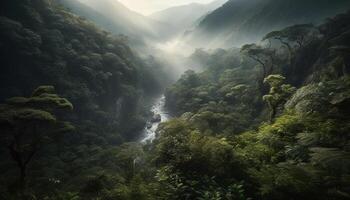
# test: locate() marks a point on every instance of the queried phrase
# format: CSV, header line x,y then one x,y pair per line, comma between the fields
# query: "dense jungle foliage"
x,y
106,83
265,121
43,44
268,121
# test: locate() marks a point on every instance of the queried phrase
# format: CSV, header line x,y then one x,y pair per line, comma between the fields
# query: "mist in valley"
x,y
174,99
171,35
160,35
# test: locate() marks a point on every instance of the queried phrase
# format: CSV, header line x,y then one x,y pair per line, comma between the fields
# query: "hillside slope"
x,y
115,17
238,21
186,15
289,141
43,44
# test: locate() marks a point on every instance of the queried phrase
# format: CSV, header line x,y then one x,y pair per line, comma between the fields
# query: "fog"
x,y
150,6
115,17
161,35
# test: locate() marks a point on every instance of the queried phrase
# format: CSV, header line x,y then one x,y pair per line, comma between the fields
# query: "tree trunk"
x,y
22,177
272,114
22,182
22,165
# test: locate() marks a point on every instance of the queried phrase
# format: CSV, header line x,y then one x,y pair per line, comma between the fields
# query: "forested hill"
x,y
240,21
266,121
263,122
107,85
43,44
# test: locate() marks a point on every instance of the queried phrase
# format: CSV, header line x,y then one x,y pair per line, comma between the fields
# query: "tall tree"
x,y
266,57
278,94
293,37
29,122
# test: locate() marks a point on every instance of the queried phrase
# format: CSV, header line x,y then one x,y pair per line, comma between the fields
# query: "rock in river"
x,y
156,118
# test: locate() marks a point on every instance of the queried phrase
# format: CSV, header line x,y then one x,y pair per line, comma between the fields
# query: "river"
x,y
160,115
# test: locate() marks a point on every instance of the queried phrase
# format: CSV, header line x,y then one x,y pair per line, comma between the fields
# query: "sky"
x,y
147,7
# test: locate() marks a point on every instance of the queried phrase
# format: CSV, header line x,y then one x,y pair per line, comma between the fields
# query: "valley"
x,y
226,100
160,115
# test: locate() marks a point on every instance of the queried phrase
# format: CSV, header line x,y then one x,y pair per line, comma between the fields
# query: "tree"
x,y
278,94
197,165
266,57
29,122
293,37
190,79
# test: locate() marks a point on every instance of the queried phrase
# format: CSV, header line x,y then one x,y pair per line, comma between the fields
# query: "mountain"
x,y
302,153
263,122
117,18
105,87
186,15
43,44
240,21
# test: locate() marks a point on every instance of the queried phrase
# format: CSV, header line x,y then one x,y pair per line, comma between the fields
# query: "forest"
x,y
102,104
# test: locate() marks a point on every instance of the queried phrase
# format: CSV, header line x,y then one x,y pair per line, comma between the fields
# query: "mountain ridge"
x,y
248,21
117,18
186,15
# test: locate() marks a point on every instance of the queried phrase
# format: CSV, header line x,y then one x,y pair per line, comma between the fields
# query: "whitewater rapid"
x,y
158,109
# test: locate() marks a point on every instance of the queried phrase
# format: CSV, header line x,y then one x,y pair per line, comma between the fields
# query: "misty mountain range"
x,y
100,102
214,25
117,18
186,16
241,21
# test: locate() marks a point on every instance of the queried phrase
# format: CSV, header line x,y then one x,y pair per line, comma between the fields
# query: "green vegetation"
x,y
27,123
221,139
43,44
278,94
268,121
294,37
110,87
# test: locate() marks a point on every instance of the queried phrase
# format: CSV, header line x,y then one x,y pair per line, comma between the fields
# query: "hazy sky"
x,y
147,7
